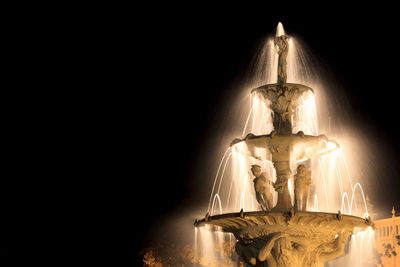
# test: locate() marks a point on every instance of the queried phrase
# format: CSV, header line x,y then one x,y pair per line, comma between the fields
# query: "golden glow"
x,y
332,179
333,187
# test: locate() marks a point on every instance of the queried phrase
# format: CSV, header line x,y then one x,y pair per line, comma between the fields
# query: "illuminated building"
x,y
387,238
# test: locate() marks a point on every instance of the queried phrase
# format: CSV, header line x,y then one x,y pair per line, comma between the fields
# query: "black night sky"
x,y
191,57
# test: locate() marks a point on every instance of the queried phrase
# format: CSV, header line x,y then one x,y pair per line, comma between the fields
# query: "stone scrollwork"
x,y
283,99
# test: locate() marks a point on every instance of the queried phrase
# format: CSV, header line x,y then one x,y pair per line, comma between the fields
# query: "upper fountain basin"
x,y
288,147
284,97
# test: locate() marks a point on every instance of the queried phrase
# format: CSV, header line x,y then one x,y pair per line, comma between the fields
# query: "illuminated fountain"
x,y
288,228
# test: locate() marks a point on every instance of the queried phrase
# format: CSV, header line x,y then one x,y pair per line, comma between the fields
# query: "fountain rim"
x,y
208,219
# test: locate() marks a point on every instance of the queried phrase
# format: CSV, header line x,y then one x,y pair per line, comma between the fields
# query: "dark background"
x,y
188,60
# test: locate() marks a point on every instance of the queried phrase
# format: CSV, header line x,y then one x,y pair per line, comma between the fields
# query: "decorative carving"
x,y
283,249
284,252
288,215
288,239
327,251
369,222
339,215
283,99
300,133
249,249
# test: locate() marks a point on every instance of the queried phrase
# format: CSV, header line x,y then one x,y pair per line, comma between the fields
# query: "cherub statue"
x,y
263,187
302,181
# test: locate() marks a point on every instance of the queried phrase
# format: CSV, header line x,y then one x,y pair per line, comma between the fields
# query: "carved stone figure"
x,y
256,252
248,252
302,181
263,188
283,111
327,251
284,250
282,48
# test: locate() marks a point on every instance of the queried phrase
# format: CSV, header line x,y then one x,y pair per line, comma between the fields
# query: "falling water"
x,y
214,247
195,245
359,252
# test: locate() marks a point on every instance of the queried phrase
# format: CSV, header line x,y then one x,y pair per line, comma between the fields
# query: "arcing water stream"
x,y
333,187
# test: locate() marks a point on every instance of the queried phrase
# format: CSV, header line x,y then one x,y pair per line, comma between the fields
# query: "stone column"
x,y
283,174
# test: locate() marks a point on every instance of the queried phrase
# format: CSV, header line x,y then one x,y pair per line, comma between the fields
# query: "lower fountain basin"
x,y
288,238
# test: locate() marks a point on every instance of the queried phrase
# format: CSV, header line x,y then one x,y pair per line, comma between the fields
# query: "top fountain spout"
x,y
282,48
279,30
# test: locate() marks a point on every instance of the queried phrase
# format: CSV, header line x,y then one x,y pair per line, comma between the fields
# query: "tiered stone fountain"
x,y
287,234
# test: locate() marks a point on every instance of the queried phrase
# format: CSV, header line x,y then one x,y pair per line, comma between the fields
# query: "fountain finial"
x,y
282,48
